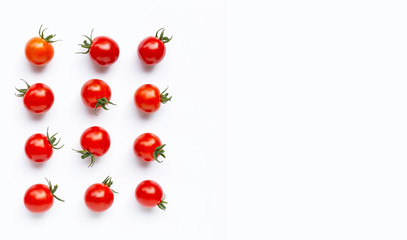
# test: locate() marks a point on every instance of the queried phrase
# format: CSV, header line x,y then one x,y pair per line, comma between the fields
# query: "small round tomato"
x,y
148,147
95,141
151,50
148,98
40,197
39,50
99,197
150,194
37,98
103,50
39,148
96,94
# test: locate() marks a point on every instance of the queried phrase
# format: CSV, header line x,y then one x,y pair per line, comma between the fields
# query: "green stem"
x,y
102,102
22,91
163,38
53,189
161,204
108,182
164,97
86,44
53,141
85,154
159,151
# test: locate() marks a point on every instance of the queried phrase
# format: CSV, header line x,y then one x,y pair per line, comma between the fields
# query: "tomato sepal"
x,y
47,38
53,189
102,102
22,91
86,44
53,141
159,151
161,204
162,38
108,182
85,154
164,97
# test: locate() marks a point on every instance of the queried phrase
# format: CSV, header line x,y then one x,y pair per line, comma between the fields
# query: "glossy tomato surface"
x,y
104,50
96,140
38,198
145,145
99,197
151,50
147,98
38,98
149,193
38,148
93,90
38,51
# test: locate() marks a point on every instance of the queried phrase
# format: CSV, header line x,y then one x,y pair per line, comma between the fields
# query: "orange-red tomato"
x,y
39,50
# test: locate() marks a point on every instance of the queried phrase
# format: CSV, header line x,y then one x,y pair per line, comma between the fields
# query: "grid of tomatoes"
x,y
95,141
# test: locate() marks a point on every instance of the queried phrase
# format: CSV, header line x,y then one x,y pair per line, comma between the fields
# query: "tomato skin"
x,y
38,98
93,90
38,198
147,98
104,50
145,145
151,50
38,51
99,197
149,193
96,140
38,148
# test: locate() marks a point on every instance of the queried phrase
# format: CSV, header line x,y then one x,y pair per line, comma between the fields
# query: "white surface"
x,y
288,119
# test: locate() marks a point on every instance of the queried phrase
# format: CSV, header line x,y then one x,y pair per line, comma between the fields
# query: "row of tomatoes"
x,y
102,49
98,197
95,141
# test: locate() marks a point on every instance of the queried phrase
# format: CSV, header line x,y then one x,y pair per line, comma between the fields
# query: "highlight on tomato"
x,y
39,147
148,147
103,50
38,98
39,50
148,98
96,94
150,194
151,50
99,196
95,142
39,197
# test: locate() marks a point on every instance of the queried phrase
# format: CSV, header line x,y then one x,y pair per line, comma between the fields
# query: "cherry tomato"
x,y
103,50
148,98
96,94
39,50
39,148
37,98
150,194
40,197
99,197
151,50
148,147
95,141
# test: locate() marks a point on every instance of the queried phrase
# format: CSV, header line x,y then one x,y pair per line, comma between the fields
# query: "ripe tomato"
x,y
103,50
95,141
38,147
39,50
40,197
151,50
96,93
148,147
150,194
37,98
99,197
148,98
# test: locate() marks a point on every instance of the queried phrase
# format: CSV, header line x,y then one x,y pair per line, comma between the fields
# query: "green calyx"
x,y
86,44
161,204
53,141
159,151
163,38
108,182
47,38
102,102
53,189
22,91
164,97
85,154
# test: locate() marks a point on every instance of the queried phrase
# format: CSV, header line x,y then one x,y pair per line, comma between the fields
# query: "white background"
x,y
288,119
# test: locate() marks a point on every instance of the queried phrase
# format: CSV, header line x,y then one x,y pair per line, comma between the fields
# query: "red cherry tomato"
x,y
151,50
148,147
95,141
39,148
96,93
99,197
40,197
103,50
148,98
150,194
39,50
37,98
